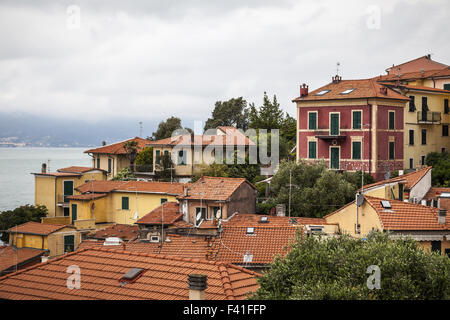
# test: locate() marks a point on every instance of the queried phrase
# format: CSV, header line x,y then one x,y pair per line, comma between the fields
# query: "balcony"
x,y
428,117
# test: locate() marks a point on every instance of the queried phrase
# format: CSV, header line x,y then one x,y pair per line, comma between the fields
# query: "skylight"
x,y
250,230
347,91
248,257
264,220
321,93
386,204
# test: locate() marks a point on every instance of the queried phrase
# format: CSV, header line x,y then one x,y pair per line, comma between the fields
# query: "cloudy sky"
x,y
148,60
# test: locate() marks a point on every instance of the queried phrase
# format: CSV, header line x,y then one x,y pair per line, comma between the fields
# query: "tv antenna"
x,y
338,64
140,128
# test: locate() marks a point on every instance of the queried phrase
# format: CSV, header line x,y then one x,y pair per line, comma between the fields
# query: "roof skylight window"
x,y
386,204
321,93
250,230
347,91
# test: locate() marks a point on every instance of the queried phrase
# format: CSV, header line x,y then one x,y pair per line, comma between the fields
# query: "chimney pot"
x,y
336,79
44,168
197,284
303,90
103,143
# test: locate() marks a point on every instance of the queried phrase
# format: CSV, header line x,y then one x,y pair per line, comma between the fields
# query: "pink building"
x,y
351,124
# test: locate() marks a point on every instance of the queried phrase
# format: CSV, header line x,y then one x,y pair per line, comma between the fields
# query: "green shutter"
x,y
391,120
356,119
74,213
334,158
125,203
109,165
312,121
312,146
446,86
158,156
356,153
391,150
68,189
334,124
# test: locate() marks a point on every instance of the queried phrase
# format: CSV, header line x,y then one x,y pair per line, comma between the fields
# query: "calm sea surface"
x,y
17,164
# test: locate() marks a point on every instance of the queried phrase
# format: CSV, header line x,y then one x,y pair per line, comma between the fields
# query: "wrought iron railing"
x,y
428,116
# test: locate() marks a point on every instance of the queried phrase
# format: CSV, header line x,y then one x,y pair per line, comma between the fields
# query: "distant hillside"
x,y
52,132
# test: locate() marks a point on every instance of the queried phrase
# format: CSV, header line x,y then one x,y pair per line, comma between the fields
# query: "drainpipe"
x,y
370,136
197,284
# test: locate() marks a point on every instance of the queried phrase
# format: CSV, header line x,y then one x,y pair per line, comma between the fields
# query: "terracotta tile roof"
x,y
163,278
365,88
171,214
117,148
57,174
262,246
38,228
254,220
124,231
76,169
87,196
173,188
205,140
214,188
410,179
435,193
9,256
414,75
419,88
407,216
200,247
422,63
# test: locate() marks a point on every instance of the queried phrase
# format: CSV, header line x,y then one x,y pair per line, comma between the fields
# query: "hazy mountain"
x,y
54,132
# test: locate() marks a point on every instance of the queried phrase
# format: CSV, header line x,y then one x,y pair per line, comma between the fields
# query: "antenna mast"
x,y
140,129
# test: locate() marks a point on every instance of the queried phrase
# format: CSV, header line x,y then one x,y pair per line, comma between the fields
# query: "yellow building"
x,y
53,188
99,203
429,226
56,238
190,152
112,158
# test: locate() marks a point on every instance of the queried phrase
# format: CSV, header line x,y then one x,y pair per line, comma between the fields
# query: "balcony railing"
x,y
428,117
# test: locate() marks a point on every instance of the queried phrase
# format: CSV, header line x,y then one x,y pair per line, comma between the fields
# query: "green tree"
x,y
124,174
165,170
336,268
144,160
440,161
233,112
20,215
268,116
168,127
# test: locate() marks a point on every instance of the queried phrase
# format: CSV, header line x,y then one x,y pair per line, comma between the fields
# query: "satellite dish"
x,y
387,175
359,199
219,214
199,216
136,215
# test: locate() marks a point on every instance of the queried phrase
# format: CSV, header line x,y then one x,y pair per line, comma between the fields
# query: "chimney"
x,y
280,210
197,284
336,79
442,215
44,168
103,143
303,90
383,90
186,191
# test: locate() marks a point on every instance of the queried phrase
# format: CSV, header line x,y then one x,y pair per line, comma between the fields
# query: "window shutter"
x,y
356,150
391,120
391,150
312,150
356,119
125,203
312,121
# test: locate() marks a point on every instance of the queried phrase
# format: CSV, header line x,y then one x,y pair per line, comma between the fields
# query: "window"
x,y
443,150
357,119
250,230
109,165
424,136
67,189
200,215
391,120
166,153
74,212
334,124
423,160
386,204
411,163
424,104
446,108
356,150
347,91
163,200
334,158
445,130
125,203
312,120
391,150
158,156
181,157
321,93
98,163
412,104
436,246
312,149
66,212
411,137
69,243
215,211
446,86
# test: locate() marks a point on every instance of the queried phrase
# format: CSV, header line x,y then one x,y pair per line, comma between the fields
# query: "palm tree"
x,y
131,150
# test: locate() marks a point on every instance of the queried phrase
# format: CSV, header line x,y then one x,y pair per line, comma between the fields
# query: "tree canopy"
x,y
233,112
124,174
20,215
440,161
144,160
166,128
340,268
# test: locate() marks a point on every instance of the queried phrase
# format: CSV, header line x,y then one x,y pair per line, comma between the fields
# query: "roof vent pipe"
x,y
197,284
